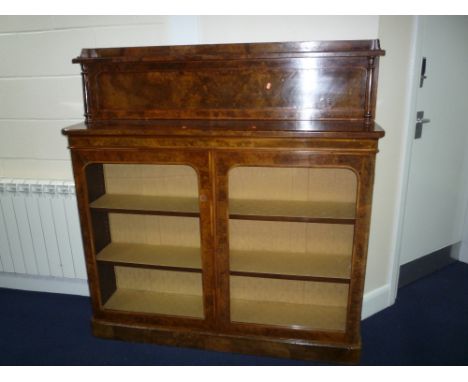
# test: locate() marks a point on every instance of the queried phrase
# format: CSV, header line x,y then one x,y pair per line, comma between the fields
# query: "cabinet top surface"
x,y
300,129
233,51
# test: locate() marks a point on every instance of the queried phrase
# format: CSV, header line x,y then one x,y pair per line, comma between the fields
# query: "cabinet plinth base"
x,y
265,346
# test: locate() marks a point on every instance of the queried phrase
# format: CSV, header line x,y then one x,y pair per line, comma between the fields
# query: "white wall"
x,y
396,37
395,33
226,29
40,92
40,89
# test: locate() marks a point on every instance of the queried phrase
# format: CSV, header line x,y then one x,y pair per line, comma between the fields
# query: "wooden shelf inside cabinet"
x,y
292,211
303,316
151,205
186,259
292,266
142,301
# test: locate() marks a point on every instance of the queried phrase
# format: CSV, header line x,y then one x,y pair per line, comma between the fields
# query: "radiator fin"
x,y
39,229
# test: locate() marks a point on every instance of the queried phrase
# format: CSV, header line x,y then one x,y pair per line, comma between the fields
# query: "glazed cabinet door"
x,y
290,242
147,227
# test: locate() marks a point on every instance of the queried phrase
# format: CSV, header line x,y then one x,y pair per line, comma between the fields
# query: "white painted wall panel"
x,y
41,98
67,22
224,29
35,139
25,23
35,168
8,61
49,53
142,35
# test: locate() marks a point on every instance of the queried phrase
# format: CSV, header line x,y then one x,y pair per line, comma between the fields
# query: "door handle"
x,y
420,121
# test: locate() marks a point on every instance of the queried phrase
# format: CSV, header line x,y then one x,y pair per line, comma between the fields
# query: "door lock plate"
x,y
420,121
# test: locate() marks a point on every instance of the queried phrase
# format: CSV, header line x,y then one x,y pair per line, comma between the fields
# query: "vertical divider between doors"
x,y
220,171
210,250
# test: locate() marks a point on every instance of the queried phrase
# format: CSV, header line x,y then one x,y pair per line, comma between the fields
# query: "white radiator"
x,y
39,230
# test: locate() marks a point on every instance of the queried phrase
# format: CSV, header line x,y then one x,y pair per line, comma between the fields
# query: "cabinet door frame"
x,y
362,164
199,160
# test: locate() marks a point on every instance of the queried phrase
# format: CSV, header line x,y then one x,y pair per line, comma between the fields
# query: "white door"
x,y
436,195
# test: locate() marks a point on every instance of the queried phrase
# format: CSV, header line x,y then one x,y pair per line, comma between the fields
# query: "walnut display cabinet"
x,y
225,194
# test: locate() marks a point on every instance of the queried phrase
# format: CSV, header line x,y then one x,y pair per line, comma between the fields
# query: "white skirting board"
x,y
375,301
44,284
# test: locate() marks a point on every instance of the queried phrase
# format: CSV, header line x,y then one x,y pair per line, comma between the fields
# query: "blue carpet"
x,y
428,325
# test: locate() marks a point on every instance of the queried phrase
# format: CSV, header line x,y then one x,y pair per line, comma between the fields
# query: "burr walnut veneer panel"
x,y
225,194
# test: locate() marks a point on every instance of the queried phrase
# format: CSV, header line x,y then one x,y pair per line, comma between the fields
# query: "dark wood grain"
x,y
207,52
286,81
216,107
107,280
272,347
355,129
95,176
